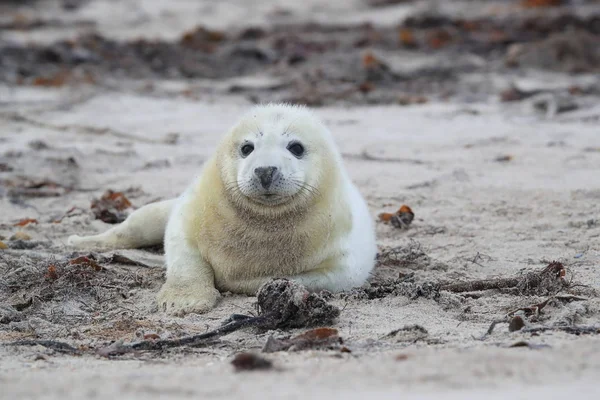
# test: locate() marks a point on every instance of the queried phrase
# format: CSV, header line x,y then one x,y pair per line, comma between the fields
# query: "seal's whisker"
x,y
303,186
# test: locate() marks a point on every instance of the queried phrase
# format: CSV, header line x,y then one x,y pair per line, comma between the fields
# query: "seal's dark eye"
x,y
296,149
247,149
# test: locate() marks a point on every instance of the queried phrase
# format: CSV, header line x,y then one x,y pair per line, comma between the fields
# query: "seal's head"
x,y
277,157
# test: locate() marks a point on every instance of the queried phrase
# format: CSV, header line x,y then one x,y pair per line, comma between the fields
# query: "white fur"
x,y
224,234
144,227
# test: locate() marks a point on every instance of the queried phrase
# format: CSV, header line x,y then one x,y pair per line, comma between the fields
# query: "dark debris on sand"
x,y
64,291
281,303
250,362
290,305
324,63
315,339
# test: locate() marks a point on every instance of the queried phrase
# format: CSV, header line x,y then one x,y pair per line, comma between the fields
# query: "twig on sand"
x,y
193,340
548,276
516,320
531,310
536,308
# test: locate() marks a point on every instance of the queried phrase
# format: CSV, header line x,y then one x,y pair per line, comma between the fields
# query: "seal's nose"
x,y
266,175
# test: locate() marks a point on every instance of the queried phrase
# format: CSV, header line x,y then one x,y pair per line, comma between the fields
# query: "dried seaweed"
x,y
281,303
110,207
49,287
320,338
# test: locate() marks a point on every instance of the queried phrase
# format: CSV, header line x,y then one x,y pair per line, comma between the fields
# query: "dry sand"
x,y
476,217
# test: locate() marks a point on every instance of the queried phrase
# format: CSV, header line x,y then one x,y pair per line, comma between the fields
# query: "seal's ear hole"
x,y
296,149
246,149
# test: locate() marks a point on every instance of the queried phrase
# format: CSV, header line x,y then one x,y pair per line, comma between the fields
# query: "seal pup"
x,y
274,201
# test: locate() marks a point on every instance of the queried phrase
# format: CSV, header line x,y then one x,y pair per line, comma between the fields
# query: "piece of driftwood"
x,y
551,277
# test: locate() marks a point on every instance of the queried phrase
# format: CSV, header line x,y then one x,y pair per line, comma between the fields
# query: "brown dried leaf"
x,y
376,69
385,217
405,209
439,38
318,334
86,261
26,221
250,362
406,38
202,39
110,206
57,80
3,246
118,199
400,219
320,338
52,273
366,87
370,61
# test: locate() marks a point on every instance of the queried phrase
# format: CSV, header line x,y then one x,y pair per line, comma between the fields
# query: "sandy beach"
x,y
499,163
